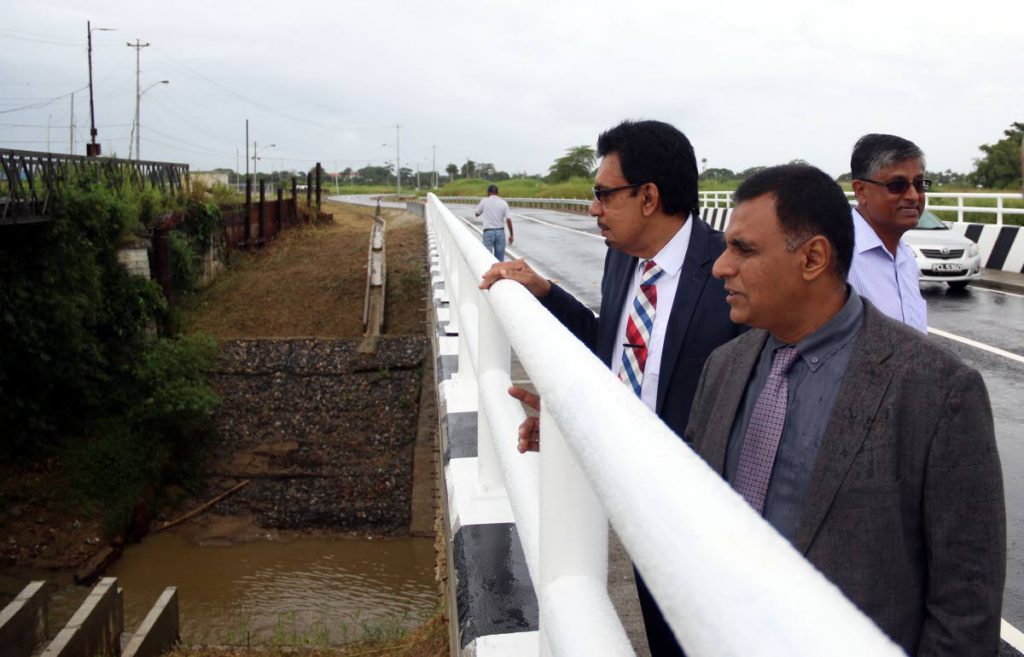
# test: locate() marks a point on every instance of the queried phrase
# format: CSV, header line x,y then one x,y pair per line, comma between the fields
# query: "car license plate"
x,y
947,268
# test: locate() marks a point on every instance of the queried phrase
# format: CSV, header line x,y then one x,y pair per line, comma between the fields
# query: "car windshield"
x,y
929,221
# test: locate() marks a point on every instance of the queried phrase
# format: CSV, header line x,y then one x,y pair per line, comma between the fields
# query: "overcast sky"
x,y
512,83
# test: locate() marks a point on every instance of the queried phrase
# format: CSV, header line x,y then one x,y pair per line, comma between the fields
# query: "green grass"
x,y
520,188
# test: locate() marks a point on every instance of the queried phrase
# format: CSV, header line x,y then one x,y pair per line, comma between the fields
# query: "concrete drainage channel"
x,y
95,629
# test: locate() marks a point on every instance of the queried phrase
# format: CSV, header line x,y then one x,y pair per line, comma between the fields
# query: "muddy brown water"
x,y
300,590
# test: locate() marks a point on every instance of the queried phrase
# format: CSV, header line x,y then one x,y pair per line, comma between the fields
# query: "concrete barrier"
x,y
95,629
493,608
24,623
416,208
1002,247
159,631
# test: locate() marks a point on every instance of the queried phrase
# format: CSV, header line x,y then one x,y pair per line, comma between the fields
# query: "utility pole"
x,y
433,165
138,94
247,149
398,159
71,127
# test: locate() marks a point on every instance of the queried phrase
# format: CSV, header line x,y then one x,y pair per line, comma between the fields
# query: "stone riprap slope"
x,y
324,434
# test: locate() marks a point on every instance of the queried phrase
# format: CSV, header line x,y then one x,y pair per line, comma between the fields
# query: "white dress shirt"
x,y
670,259
889,283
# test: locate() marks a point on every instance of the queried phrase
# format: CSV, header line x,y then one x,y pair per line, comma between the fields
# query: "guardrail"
x,y
960,208
997,203
727,583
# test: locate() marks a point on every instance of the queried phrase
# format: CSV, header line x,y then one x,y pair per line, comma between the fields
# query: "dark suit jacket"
x,y
699,321
904,510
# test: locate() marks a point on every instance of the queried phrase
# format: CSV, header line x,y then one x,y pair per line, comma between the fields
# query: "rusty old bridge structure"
x,y
30,180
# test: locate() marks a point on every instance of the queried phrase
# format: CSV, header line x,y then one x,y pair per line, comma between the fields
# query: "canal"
x,y
286,591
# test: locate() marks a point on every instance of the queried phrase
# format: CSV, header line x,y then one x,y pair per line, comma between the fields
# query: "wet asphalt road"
x,y
568,248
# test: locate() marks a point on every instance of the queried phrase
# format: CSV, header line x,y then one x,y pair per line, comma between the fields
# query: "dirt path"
x,y
310,282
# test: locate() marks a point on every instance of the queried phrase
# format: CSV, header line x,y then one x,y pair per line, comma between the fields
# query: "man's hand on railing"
x,y
529,430
520,272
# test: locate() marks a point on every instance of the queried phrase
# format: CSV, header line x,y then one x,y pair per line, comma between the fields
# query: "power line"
x,y
43,103
37,38
238,95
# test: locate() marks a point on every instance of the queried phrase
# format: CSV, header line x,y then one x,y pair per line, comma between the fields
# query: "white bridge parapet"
x,y
727,583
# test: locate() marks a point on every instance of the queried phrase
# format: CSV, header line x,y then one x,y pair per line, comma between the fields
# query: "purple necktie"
x,y
764,431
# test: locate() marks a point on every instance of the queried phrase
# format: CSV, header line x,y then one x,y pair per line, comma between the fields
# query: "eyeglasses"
x,y
899,186
601,194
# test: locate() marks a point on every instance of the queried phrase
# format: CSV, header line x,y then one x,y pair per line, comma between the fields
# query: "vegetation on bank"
x,y
95,384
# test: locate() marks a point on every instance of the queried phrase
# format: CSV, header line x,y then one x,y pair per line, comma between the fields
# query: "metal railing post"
x,y
573,523
493,357
999,210
449,253
465,308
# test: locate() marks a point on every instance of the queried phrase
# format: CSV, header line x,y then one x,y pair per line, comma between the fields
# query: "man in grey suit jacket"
x,y
882,467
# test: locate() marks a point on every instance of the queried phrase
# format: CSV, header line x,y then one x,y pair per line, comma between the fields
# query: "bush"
x,y
185,263
83,374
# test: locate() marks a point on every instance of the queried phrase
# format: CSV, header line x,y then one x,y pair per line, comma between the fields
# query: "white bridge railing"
x,y
726,581
943,203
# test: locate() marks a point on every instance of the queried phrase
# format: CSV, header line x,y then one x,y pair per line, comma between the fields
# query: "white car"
x,y
943,255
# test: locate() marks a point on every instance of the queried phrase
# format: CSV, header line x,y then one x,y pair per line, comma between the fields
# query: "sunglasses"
x,y
899,186
602,193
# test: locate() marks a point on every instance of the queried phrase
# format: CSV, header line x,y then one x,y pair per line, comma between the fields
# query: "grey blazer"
x,y
904,510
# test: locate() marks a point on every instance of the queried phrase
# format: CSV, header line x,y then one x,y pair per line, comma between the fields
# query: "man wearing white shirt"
x,y
495,211
889,185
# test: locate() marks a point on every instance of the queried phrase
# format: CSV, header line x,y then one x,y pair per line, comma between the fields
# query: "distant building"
x,y
209,178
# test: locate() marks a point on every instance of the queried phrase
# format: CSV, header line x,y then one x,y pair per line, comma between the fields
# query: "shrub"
x,y
83,374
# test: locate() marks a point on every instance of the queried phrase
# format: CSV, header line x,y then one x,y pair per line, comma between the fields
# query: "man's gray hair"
x,y
875,152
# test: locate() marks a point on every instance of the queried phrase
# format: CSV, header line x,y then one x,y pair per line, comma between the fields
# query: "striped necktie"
x,y
761,442
638,328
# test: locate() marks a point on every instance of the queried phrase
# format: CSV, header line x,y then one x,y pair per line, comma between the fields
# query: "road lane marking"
x,y
976,345
548,223
1011,635
996,291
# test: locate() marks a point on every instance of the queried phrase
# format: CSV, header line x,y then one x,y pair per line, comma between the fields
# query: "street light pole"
x,y
92,149
255,156
138,118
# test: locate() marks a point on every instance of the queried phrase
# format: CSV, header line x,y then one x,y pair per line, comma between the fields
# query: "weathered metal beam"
x,y
32,179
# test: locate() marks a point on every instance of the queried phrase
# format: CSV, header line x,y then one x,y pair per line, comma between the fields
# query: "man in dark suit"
x,y
658,322
869,448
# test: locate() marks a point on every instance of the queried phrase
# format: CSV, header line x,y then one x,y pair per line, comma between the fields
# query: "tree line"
x,y
998,168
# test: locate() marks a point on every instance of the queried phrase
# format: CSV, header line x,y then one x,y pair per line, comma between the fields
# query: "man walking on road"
x,y
496,215
888,181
